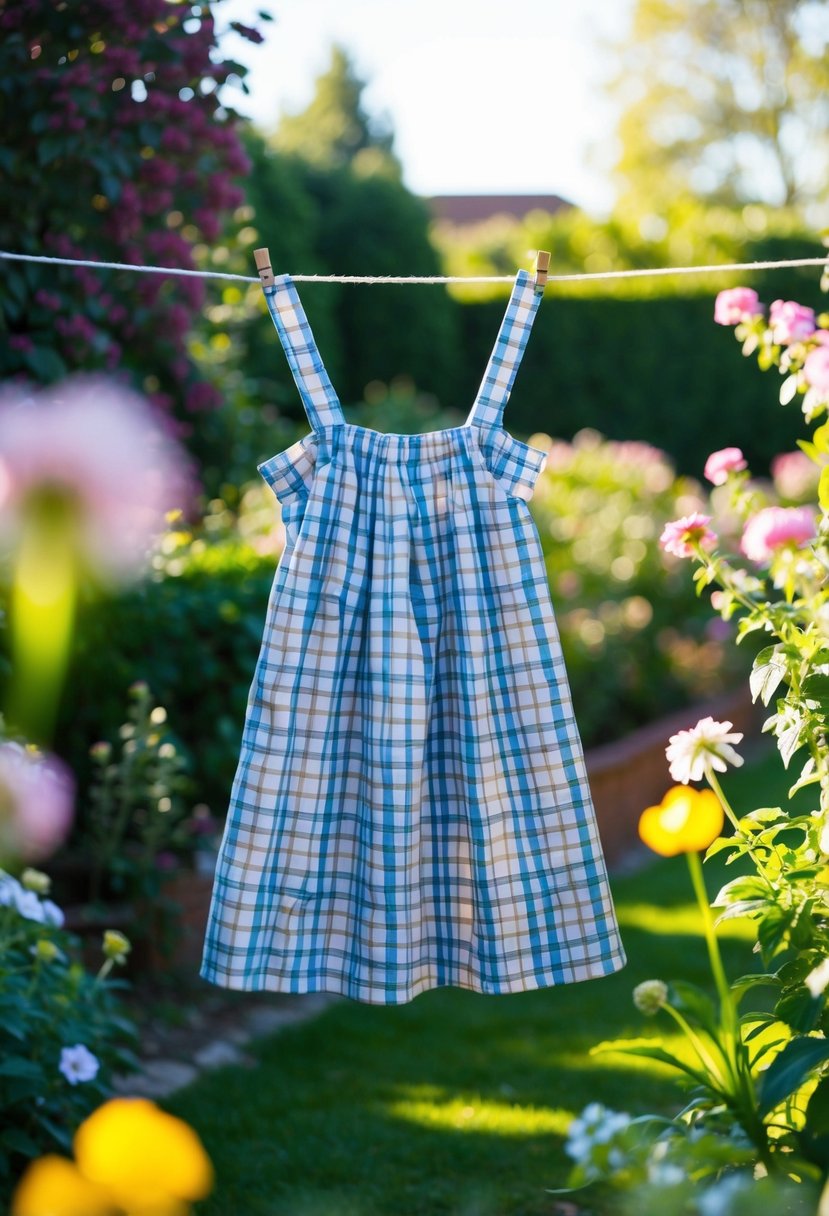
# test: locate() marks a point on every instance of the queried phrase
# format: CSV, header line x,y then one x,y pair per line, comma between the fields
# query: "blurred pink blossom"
x,y
720,464
794,475
816,370
36,802
735,305
790,321
98,444
680,536
774,527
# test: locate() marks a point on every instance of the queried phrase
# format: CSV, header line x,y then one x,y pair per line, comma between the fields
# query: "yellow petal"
x,y
685,821
150,1160
54,1186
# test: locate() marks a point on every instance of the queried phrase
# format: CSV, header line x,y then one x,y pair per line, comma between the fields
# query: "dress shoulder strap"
x,y
322,404
504,361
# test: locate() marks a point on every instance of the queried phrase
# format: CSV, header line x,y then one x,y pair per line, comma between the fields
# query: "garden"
x,y
682,518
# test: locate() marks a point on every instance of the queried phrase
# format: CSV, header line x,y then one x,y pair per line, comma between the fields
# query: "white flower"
x,y
52,914
9,888
706,745
29,906
818,979
78,1064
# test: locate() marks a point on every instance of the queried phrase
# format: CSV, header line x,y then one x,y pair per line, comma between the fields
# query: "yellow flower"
x,y
131,1159
685,821
54,1186
147,1159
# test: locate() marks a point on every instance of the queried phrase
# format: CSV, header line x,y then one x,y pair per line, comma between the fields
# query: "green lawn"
x,y
457,1104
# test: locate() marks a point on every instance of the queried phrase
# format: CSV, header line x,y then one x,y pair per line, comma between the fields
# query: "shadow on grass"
x,y
455,1104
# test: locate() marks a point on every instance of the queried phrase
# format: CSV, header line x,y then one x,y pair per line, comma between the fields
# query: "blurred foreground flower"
x,y
736,304
691,753
776,528
36,805
685,821
720,464
86,476
131,1157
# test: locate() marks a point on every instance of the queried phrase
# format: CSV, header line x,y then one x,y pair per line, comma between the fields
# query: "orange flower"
x,y
685,821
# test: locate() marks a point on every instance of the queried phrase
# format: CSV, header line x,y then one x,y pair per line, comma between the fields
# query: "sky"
x,y
484,96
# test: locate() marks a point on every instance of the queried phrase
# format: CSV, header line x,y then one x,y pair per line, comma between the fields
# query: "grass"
x,y
457,1104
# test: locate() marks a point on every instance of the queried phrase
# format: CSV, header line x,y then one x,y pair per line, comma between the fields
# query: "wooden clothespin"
x,y
542,267
263,266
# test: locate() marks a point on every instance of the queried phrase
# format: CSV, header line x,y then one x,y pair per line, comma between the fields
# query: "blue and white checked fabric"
x,y
411,806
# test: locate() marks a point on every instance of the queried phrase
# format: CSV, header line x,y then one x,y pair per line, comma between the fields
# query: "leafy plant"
x,y
63,1032
137,825
761,1077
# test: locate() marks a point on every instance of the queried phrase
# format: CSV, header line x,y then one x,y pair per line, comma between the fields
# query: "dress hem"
x,y
613,964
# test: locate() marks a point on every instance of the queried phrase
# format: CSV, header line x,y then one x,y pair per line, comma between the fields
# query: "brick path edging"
x,y
632,773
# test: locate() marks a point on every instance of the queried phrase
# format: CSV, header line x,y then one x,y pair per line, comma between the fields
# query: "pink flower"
x,y
36,803
97,445
720,464
790,321
816,370
681,536
774,527
735,305
795,475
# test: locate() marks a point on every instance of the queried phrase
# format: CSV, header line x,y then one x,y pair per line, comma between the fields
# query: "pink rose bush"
x,y
757,1107
802,334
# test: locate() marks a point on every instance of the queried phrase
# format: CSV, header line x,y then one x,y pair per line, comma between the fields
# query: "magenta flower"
x,y
720,464
735,305
790,321
816,370
682,535
96,446
36,802
773,528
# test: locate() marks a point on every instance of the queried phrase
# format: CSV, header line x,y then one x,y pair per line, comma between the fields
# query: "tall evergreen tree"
x,y
335,130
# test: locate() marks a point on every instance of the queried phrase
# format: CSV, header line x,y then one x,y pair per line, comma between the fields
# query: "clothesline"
x,y
435,278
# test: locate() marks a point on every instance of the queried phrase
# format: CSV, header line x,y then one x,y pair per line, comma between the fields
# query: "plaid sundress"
x,y
411,806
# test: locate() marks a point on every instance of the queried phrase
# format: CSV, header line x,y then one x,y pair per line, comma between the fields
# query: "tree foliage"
x,y
335,131
727,100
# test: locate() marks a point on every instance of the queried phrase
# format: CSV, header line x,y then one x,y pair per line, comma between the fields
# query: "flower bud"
x,y
45,951
650,996
36,880
116,946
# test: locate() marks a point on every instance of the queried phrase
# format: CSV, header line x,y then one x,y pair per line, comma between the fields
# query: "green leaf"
x,y
800,1010
814,1137
790,1070
771,930
823,489
746,887
759,979
788,390
19,1142
816,686
16,1066
689,999
770,667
